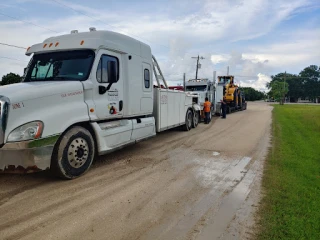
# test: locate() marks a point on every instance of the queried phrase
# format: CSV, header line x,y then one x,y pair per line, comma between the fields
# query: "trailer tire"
x,y
74,153
188,122
196,117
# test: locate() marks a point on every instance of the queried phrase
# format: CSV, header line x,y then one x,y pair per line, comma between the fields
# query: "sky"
x,y
255,38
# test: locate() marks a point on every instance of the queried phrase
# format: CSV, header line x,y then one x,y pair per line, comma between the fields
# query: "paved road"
x,y
202,184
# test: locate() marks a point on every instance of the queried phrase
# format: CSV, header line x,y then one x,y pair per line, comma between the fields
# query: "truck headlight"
x,y
29,131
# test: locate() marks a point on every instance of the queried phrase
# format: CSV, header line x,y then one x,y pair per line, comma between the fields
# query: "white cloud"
x,y
219,58
259,83
175,37
292,52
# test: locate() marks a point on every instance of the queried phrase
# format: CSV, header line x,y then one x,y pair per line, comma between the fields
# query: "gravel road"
x,y
202,184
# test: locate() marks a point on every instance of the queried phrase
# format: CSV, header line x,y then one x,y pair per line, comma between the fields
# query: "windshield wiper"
x,y
55,78
60,78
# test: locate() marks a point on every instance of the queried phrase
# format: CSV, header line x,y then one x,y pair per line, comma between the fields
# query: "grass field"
x,y
290,208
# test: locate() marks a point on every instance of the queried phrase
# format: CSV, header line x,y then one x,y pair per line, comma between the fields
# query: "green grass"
x,y
290,208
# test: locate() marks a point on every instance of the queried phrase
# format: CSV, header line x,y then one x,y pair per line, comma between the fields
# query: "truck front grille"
x,y
4,110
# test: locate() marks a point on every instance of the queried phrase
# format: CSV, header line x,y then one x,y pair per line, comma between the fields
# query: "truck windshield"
x,y
200,88
59,66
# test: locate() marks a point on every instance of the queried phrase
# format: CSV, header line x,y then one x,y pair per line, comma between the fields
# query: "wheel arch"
x,y
54,165
86,125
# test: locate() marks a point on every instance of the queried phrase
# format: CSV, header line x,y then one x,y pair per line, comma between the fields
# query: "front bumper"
x,y
27,156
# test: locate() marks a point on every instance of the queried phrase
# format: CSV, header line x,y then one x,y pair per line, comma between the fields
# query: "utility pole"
x,y
184,82
228,71
197,65
284,86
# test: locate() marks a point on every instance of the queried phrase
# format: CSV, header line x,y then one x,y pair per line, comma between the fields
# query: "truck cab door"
x,y
146,103
108,95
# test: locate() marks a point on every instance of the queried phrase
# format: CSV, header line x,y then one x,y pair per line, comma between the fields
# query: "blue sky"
x,y
256,38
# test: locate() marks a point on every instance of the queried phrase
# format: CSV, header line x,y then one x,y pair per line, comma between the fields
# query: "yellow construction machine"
x,y
234,97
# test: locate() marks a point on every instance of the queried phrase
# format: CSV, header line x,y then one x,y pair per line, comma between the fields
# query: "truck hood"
x,y
31,90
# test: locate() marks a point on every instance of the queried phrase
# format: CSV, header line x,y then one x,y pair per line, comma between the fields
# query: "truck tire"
x,y
188,122
73,154
196,117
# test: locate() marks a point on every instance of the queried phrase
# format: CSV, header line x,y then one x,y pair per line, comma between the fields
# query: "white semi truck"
x,y
203,88
82,95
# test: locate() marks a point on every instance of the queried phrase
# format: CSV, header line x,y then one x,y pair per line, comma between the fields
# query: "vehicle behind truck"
x,y
203,88
83,95
234,96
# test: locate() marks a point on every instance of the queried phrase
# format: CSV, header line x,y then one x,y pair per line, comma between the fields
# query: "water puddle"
x,y
217,176
219,222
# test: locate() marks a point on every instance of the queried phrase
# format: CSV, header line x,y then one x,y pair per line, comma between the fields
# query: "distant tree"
x,y
310,77
312,72
304,85
251,94
279,90
296,88
10,78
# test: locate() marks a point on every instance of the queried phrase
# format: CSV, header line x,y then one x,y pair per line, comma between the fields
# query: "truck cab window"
x,y
102,70
42,70
146,78
200,88
60,66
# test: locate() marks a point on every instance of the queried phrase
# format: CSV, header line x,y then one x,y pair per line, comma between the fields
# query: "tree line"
x,y
292,87
10,78
251,94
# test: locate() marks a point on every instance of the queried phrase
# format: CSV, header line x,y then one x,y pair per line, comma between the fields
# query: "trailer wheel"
x,y
195,120
188,121
73,154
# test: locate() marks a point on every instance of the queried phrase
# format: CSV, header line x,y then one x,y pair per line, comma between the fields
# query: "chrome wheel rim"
x,y
78,152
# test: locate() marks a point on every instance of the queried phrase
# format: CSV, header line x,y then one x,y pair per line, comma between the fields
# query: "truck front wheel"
x,y
74,153
196,118
188,122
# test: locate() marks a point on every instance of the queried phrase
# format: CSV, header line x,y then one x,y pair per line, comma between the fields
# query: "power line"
x,y
13,59
27,22
103,22
10,45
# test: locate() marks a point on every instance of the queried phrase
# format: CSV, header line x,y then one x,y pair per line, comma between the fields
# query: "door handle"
x,y
120,105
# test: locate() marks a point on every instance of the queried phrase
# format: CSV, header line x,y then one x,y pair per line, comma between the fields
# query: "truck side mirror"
x,y
112,72
24,70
